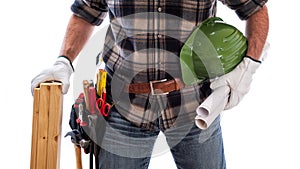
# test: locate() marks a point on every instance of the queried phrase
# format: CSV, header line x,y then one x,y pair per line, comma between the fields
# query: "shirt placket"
x,y
159,38
159,18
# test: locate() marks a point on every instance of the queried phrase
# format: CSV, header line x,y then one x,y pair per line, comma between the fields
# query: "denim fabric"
x,y
126,146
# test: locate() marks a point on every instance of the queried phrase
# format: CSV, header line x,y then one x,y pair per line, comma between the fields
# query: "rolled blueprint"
x,y
213,105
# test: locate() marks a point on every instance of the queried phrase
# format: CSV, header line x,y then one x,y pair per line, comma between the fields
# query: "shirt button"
x,y
159,9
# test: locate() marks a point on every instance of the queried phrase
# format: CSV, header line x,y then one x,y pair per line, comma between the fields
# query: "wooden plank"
x,y
34,136
46,126
54,131
43,126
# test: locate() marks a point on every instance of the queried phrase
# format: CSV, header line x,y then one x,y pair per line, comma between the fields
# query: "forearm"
x,y
257,28
77,34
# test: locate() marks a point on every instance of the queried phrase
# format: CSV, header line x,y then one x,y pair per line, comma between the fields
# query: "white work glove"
x,y
60,71
238,80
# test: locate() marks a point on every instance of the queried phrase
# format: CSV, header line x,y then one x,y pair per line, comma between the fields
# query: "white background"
x,y
261,132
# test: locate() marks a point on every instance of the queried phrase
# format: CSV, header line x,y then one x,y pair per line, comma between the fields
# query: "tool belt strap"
x,y
157,87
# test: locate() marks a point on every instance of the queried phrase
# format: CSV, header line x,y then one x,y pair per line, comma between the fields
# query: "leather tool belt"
x,y
157,87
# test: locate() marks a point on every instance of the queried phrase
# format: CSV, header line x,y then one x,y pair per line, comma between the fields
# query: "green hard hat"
x,y
213,49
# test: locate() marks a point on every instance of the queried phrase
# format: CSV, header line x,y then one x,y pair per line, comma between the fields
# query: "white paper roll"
x,y
213,105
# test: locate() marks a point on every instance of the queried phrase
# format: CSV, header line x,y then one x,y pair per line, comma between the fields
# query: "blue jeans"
x,y
126,146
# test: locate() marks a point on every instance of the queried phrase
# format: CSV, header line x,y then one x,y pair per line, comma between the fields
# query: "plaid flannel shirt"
x,y
143,44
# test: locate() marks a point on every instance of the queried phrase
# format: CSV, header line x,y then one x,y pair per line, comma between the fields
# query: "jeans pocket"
x,y
212,131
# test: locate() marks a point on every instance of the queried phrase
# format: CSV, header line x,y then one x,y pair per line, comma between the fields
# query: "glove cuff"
x,y
258,61
63,56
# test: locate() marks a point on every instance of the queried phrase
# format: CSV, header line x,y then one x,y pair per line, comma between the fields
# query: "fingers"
x,y
218,82
233,100
42,77
65,88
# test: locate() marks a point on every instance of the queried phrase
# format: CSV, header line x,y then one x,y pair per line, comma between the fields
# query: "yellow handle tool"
x,y
101,81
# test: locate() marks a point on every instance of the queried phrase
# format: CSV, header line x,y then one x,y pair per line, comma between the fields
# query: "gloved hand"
x,y
60,71
238,80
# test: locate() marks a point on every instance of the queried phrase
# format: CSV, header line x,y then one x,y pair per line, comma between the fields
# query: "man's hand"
x,y
60,71
238,80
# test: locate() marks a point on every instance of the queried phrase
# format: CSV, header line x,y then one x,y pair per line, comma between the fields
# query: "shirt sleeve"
x,y
245,8
93,11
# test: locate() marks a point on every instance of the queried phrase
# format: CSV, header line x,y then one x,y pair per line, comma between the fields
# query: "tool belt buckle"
x,y
152,88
